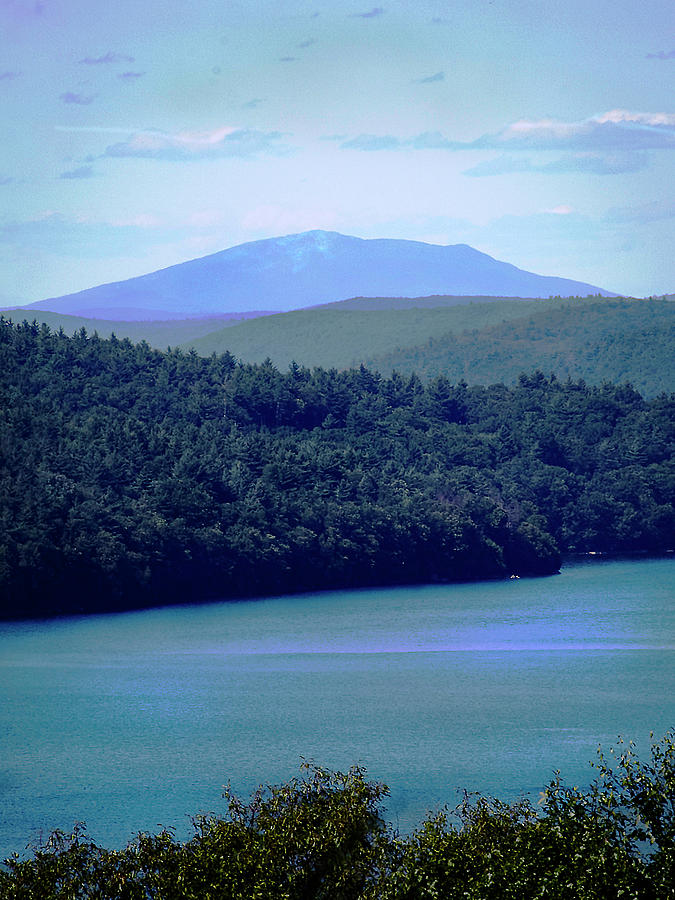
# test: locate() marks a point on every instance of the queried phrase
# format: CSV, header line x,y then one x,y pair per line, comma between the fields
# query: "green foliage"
x,y
324,836
130,477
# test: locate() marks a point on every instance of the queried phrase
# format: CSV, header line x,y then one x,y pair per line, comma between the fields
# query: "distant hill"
x,y
313,335
345,334
480,342
608,341
300,270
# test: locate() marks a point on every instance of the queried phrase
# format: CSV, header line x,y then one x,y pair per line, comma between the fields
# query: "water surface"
x,y
134,720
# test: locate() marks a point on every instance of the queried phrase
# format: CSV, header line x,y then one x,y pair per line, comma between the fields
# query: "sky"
x,y
138,135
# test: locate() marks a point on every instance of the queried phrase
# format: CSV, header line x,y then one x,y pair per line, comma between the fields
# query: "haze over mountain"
x,y
315,267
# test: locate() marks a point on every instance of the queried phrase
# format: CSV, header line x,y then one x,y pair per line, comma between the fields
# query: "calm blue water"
x,y
135,720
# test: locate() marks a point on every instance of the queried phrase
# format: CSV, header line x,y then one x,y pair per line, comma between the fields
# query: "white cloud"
x,y
616,131
561,210
226,141
623,115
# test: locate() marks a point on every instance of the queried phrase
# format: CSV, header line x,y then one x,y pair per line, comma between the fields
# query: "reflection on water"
x,y
133,720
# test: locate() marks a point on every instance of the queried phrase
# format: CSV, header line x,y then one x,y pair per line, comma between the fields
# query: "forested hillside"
x,y
607,340
130,476
483,342
345,334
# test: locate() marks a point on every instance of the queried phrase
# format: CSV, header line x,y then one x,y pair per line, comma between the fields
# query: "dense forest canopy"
x,y
129,476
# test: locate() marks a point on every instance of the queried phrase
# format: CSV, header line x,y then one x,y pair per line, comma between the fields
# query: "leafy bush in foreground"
x,y
324,836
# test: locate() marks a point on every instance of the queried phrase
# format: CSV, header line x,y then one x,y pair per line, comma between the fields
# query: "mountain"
x,y
299,270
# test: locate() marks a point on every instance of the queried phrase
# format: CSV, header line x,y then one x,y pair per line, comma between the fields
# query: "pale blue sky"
x,y
138,135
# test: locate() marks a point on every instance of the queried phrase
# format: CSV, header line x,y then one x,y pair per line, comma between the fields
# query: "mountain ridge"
x,y
308,269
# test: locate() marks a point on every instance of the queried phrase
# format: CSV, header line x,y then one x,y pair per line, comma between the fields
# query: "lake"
x,y
136,720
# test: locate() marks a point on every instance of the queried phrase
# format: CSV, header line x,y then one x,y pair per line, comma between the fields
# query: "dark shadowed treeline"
x,y
130,476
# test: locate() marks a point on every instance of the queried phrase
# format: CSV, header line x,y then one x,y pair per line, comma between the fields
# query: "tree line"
x,y
130,476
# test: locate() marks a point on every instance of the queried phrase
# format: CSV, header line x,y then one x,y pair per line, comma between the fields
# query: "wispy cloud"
x,y
653,211
562,209
191,145
98,129
80,172
130,76
371,14
662,54
77,237
20,10
373,142
303,45
106,59
131,235
252,103
430,79
501,165
616,131
590,163
8,76
78,99
428,140
5,179
288,59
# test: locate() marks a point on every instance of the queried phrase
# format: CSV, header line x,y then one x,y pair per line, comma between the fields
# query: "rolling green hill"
x,y
482,342
609,340
345,334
